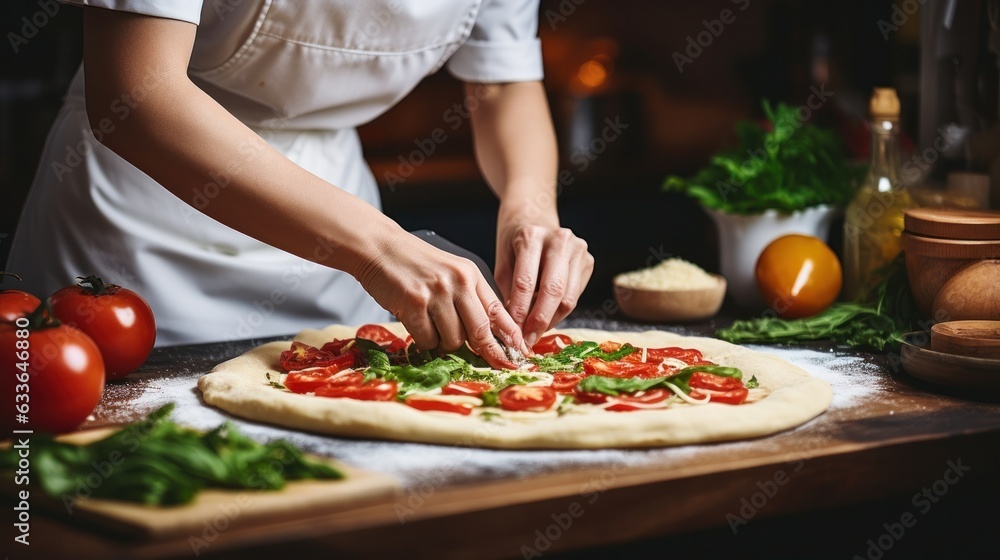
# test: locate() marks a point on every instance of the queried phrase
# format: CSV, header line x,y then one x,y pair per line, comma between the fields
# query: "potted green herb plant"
x,y
786,177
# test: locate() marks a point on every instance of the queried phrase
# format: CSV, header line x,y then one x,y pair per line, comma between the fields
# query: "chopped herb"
x,y
753,383
571,357
489,416
615,386
565,405
275,384
491,398
166,464
498,379
876,322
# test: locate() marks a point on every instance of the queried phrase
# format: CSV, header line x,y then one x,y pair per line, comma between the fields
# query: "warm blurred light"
x,y
592,73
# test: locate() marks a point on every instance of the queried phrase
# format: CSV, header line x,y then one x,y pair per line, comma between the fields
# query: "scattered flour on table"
x,y
852,379
418,465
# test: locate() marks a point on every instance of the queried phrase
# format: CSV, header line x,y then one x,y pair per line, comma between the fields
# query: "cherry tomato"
x,y
425,403
686,355
798,275
308,380
521,397
302,356
381,336
566,382
551,344
626,403
53,374
610,347
16,303
735,396
373,391
469,388
705,380
118,320
621,368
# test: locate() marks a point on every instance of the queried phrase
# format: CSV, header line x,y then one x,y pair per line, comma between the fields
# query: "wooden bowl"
x,y
939,242
669,306
974,339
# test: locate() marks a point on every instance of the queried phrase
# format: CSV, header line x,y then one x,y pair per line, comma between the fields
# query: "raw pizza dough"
x,y
788,396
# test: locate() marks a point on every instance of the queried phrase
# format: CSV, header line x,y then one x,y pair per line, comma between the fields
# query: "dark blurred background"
x,y
606,62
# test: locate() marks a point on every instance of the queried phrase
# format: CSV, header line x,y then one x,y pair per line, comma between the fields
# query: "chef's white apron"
x,y
302,75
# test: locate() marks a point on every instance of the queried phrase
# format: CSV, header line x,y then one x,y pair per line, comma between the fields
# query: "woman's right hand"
x,y
442,299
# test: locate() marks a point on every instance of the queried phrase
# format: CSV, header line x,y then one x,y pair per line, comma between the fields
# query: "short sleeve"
x,y
184,10
503,45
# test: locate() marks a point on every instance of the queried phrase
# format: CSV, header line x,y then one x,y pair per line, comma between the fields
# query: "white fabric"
x,y
303,74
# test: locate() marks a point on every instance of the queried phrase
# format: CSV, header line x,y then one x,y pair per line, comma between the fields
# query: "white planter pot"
x,y
743,238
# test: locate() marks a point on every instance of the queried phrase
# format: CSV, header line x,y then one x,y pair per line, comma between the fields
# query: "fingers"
x,y
565,271
421,327
581,266
502,324
476,308
451,332
527,245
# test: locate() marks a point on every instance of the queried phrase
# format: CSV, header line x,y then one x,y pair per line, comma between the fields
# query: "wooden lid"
x,y
950,248
967,338
953,224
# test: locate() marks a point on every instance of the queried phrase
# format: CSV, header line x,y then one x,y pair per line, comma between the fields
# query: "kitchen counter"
x,y
892,453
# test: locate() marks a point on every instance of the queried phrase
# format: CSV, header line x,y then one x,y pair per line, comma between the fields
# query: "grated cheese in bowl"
x,y
670,274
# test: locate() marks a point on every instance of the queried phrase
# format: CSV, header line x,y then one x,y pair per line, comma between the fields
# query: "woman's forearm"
x,y
191,145
516,149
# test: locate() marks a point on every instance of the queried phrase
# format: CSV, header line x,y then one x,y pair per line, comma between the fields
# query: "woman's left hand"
x,y
541,269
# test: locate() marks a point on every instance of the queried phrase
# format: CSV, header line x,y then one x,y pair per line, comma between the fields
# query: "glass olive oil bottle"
x,y
874,220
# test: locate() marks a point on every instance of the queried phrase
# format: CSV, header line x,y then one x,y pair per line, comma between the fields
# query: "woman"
x,y
209,160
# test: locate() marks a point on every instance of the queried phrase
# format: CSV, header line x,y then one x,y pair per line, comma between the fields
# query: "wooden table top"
x,y
900,437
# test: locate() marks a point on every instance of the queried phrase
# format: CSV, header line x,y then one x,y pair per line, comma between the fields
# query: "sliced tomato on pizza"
x,y
606,377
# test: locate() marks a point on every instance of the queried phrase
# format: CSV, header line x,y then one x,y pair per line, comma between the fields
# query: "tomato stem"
x,y
94,285
42,317
5,273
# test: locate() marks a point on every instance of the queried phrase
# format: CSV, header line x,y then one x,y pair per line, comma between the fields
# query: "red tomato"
x,y
15,303
118,320
53,375
621,368
736,396
374,391
565,382
424,403
627,403
705,380
302,356
308,380
689,356
521,397
551,344
609,347
590,397
339,347
469,388
381,336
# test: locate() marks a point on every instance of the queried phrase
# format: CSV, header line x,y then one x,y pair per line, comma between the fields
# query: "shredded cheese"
x,y
670,274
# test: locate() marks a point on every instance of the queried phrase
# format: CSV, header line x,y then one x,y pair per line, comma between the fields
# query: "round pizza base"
x,y
788,397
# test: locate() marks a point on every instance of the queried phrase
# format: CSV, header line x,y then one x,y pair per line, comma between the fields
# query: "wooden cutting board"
x,y
215,510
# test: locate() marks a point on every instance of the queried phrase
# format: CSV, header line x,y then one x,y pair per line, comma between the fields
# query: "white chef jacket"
x,y
302,74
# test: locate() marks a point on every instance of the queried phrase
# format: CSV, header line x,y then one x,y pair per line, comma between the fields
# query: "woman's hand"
x,y
541,270
541,267
442,300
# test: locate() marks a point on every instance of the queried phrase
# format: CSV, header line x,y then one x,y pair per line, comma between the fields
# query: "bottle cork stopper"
x,y
884,104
